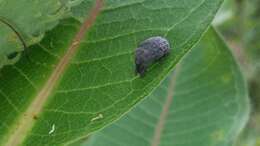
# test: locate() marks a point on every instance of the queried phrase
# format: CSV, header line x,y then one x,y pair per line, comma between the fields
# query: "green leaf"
x,y
51,99
204,103
13,42
31,19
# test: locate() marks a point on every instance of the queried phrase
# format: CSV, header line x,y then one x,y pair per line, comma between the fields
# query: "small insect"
x,y
149,51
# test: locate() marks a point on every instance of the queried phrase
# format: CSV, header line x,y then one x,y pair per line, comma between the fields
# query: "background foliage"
x,y
241,30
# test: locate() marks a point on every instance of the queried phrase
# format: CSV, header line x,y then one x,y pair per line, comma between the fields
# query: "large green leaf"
x,y
204,103
31,19
43,104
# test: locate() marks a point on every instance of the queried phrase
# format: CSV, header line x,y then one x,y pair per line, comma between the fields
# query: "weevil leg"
x,y
140,69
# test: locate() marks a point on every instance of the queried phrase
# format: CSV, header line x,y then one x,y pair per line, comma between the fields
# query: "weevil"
x,y
150,51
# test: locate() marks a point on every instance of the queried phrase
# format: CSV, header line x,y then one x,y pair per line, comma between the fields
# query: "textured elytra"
x,y
149,51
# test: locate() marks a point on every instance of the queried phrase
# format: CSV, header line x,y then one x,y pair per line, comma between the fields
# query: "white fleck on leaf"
x,y
100,116
52,129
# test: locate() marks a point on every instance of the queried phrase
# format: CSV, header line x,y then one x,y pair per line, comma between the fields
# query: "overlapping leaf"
x,y
31,19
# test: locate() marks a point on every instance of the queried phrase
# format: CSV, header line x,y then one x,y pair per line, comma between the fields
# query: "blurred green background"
x,y
239,23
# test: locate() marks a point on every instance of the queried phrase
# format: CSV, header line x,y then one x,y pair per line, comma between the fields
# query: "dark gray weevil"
x,y
150,51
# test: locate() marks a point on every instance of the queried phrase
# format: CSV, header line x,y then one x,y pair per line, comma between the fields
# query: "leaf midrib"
x,y
26,121
166,107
